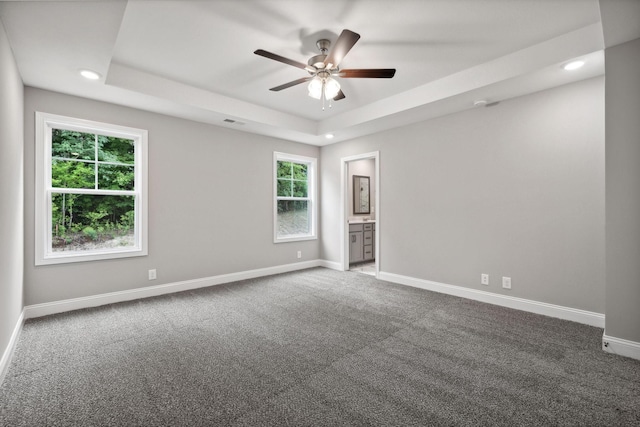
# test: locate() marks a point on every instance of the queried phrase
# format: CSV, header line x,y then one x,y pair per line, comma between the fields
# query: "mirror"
x,y
361,195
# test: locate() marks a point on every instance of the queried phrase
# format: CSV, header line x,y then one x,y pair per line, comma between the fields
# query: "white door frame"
x,y
344,207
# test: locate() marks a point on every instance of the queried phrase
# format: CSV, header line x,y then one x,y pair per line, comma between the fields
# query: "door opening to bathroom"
x,y
361,213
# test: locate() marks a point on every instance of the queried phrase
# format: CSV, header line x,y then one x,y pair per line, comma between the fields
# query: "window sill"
x,y
96,256
294,239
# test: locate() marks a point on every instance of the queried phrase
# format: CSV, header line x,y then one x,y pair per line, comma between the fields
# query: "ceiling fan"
x,y
324,67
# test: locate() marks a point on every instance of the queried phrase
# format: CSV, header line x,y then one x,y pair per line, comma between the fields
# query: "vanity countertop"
x,y
360,221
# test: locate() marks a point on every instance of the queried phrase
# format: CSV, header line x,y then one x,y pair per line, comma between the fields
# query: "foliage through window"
x,y
295,217
91,190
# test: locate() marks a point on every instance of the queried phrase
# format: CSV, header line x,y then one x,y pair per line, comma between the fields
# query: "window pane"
x,y
293,218
117,150
300,171
299,189
72,145
284,188
87,222
72,174
114,177
284,169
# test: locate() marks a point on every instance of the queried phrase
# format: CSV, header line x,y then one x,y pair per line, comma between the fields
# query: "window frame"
x,y
311,199
45,123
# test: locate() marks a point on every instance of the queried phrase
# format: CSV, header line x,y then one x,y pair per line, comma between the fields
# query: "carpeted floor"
x,y
314,348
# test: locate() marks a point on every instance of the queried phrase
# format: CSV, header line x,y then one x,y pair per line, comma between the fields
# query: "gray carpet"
x,y
315,348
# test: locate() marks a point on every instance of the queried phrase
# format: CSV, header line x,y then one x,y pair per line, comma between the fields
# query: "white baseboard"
x,y
45,309
8,352
621,346
332,265
558,311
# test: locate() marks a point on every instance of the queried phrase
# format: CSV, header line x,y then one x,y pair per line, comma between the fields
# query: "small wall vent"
x,y
231,121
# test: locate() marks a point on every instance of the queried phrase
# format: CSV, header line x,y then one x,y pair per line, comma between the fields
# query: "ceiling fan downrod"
x,y
317,61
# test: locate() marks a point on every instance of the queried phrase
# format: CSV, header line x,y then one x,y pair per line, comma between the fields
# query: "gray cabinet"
x,y
362,242
356,250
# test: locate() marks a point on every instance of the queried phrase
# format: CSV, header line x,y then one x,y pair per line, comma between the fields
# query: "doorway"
x,y
358,217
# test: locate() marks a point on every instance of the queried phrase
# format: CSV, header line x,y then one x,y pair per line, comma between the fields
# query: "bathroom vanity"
x,y
362,241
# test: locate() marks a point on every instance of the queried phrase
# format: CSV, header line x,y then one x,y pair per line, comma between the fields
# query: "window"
x,y
91,190
295,207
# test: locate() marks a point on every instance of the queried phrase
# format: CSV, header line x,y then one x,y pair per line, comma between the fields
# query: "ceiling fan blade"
x,y
339,96
371,73
284,60
293,83
342,46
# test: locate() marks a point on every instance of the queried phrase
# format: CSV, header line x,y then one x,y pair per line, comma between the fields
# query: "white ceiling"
x,y
194,59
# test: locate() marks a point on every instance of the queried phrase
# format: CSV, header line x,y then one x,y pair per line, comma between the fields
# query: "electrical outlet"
x,y
484,279
152,274
506,282
299,254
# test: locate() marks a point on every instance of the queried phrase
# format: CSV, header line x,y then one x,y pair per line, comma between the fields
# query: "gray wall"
x,y
11,192
210,204
623,190
515,190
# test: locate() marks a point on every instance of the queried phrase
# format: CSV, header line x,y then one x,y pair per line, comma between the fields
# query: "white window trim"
x,y
312,198
44,124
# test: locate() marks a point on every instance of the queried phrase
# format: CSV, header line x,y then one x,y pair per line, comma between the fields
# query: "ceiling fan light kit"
x,y
323,85
324,67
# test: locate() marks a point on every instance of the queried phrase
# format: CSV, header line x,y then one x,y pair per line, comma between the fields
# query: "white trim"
x,y
344,238
45,309
344,207
332,265
11,346
621,346
362,156
552,310
377,226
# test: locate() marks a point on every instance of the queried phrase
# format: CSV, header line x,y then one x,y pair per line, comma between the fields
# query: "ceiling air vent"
x,y
231,121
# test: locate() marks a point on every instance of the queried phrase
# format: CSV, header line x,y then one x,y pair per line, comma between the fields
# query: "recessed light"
x,y
89,75
480,103
574,65
329,136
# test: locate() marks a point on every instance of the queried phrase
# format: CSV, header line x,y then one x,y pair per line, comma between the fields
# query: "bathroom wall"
x,y
366,167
